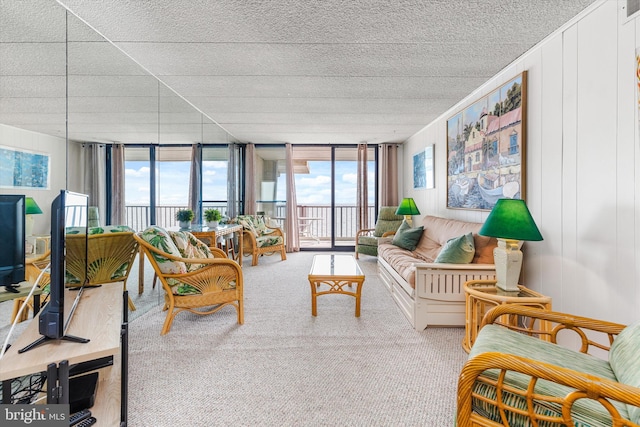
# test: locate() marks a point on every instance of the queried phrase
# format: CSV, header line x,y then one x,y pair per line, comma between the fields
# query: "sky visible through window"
x,y
173,183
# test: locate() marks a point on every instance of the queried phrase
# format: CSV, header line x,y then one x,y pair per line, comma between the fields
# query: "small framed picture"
x,y
419,174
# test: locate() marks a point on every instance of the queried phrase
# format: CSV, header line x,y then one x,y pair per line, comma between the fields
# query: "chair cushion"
x,y
407,237
623,357
367,241
496,338
100,230
159,238
459,250
387,220
267,240
190,247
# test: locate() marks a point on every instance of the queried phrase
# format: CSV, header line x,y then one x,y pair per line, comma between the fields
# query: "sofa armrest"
x,y
547,324
586,386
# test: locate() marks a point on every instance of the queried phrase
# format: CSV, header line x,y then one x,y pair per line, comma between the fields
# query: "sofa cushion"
x,y
623,357
494,338
459,250
401,260
407,237
439,230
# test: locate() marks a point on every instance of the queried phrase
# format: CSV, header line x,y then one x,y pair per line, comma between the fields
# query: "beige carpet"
x,y
284,367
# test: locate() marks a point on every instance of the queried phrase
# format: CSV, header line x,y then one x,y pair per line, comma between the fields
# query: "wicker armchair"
x,y
194,277
386,225
109,257
259,239
517,375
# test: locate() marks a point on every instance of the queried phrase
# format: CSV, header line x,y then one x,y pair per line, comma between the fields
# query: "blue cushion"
x,y
623,357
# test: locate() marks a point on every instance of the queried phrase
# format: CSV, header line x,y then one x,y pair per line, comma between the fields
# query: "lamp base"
x,y
28,225
408,220
508,260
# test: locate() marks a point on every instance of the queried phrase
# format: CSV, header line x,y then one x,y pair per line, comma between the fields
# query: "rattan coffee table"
x,y
330,274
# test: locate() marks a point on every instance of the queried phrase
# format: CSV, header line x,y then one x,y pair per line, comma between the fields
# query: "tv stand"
x,y
44,339
101,316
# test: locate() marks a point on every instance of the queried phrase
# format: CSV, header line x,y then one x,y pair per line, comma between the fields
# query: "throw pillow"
x,y
459,250
407,237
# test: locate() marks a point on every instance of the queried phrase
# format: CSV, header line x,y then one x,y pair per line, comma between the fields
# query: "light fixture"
x,y
407,208
31,208
509,221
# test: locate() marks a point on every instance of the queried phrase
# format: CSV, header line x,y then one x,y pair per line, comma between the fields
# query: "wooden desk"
x,y
483,295
98,317
335,272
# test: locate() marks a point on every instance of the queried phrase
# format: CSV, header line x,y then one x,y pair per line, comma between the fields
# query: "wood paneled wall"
x,y
583,164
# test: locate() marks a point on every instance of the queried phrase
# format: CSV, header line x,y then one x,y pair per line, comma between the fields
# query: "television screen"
x,y
12,255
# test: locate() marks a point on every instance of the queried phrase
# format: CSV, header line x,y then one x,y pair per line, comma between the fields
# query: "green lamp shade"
x,y
407,207
510,219
31,207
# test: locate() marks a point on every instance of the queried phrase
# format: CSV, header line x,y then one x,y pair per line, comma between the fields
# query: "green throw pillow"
x,y
459,250
407,237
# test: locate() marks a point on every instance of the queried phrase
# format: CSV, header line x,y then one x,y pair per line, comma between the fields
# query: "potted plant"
x,y
184,217
212,216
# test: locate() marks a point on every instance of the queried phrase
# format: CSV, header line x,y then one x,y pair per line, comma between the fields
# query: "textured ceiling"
x,y
266,71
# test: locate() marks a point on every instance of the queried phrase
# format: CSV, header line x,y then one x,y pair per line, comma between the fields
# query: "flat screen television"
x,y
12,224
67,210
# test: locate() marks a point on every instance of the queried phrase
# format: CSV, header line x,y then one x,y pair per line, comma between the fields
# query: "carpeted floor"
x,y
284,367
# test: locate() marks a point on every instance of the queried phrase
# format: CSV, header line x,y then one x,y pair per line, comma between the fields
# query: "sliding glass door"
x,y
326,179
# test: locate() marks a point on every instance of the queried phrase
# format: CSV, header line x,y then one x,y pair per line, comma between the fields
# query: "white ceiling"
x,y
334,71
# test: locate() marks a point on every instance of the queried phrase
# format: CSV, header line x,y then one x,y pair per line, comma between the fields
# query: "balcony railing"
x,y
138,218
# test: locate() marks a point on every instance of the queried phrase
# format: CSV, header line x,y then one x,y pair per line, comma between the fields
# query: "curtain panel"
x,y
250,182
291,224
388,155
195,182
363,189
118,213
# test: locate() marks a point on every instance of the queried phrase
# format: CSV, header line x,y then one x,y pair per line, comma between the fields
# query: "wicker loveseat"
x,y
514,378
259,239
195,278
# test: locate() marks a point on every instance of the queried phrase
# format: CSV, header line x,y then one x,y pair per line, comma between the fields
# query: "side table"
x,y
482,295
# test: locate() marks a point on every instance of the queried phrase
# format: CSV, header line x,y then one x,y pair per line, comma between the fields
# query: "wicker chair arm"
x,y
364,231
548,324
586,386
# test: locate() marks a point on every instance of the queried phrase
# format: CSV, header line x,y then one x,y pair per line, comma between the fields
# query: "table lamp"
x,y
31,208
407,208
509,222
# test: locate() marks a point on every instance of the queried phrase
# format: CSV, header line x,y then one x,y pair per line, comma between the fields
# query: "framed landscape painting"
x,y
419,171
486,148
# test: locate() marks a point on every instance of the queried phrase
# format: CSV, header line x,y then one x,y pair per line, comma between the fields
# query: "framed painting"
x,y
429,165
486,148
419,174
23,169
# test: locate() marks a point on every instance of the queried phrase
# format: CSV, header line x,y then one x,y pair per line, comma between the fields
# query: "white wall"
x,y
55,148
582,164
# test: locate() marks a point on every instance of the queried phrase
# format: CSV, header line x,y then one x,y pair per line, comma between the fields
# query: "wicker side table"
x,y
482,295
